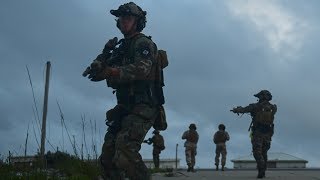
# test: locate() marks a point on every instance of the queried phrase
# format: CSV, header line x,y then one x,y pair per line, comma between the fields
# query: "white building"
x,y
275,160
22,160
164,163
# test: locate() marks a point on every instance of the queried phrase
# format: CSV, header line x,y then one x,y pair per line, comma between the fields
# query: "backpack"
x,y
159,142
192,136
265,115
162,62
220,137
160,122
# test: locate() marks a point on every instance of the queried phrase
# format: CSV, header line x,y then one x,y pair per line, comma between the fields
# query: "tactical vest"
x,y
265,114
146,89
192,136
220,137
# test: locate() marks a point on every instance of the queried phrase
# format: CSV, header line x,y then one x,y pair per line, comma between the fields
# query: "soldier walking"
x,y
130,66
220,138
191,136
158,146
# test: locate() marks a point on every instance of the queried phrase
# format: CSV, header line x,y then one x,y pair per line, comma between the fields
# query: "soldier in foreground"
x,y
220,138
131,67
262,127
158,146
191,136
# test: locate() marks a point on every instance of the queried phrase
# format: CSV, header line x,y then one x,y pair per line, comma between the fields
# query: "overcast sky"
x,y
220,54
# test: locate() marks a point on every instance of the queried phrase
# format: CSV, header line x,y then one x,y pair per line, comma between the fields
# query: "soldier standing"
x,y
220,138
191,136
130,67
158,146
262,127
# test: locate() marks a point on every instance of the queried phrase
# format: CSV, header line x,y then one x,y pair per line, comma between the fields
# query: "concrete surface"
x,y
289,174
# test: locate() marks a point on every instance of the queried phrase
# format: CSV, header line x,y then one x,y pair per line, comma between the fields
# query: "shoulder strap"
x,y
133,43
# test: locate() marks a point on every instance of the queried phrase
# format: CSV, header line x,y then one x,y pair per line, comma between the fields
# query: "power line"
x,y
34,99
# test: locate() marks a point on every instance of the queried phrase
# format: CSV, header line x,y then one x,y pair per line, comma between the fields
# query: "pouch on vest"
x,y
159,142
160,122
162,62
162,58
162,147
266,115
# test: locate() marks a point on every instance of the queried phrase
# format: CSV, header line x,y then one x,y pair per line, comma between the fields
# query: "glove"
x,y
93,69
236,110
107,72
111,44
233,110
86,72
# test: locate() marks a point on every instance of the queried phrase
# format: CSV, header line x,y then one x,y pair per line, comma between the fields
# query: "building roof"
x,y
21,159
275,156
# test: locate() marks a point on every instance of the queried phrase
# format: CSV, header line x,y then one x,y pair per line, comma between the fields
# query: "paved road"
x,y
242,175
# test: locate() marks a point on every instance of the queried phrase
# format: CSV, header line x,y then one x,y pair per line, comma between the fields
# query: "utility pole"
x,y
176,156
44,115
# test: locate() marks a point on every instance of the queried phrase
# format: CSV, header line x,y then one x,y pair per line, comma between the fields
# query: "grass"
x,y
59,166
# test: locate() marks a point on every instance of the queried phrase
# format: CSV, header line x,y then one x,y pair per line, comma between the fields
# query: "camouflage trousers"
x,y
260,146
221,149
156,152
191,153
120,155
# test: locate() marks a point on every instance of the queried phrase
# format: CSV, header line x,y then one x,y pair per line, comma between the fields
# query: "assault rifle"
x,y
148,141
106,58
236,110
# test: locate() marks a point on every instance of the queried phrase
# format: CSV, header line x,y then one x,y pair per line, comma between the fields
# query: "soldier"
x,y
158,146
130,67
220,138
191,136
262,127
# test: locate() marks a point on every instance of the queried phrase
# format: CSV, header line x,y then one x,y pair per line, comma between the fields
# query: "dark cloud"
x,y
217,61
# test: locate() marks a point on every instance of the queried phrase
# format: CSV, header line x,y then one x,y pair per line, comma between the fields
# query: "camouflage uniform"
x,y
220,138
158,146
137,101
191,136
261,133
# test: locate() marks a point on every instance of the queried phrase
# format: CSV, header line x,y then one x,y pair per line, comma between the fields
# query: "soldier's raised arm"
x,y
240,109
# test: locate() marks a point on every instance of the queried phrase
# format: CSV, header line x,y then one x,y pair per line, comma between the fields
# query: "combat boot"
x,y
261,174
222,168
192,169
189,169
217,167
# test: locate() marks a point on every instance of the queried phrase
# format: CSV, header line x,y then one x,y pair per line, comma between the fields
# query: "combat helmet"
x,y
222,127
264,95
131,9
192,126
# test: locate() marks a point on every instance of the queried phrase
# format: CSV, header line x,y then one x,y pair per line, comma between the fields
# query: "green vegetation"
x,y
59,166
